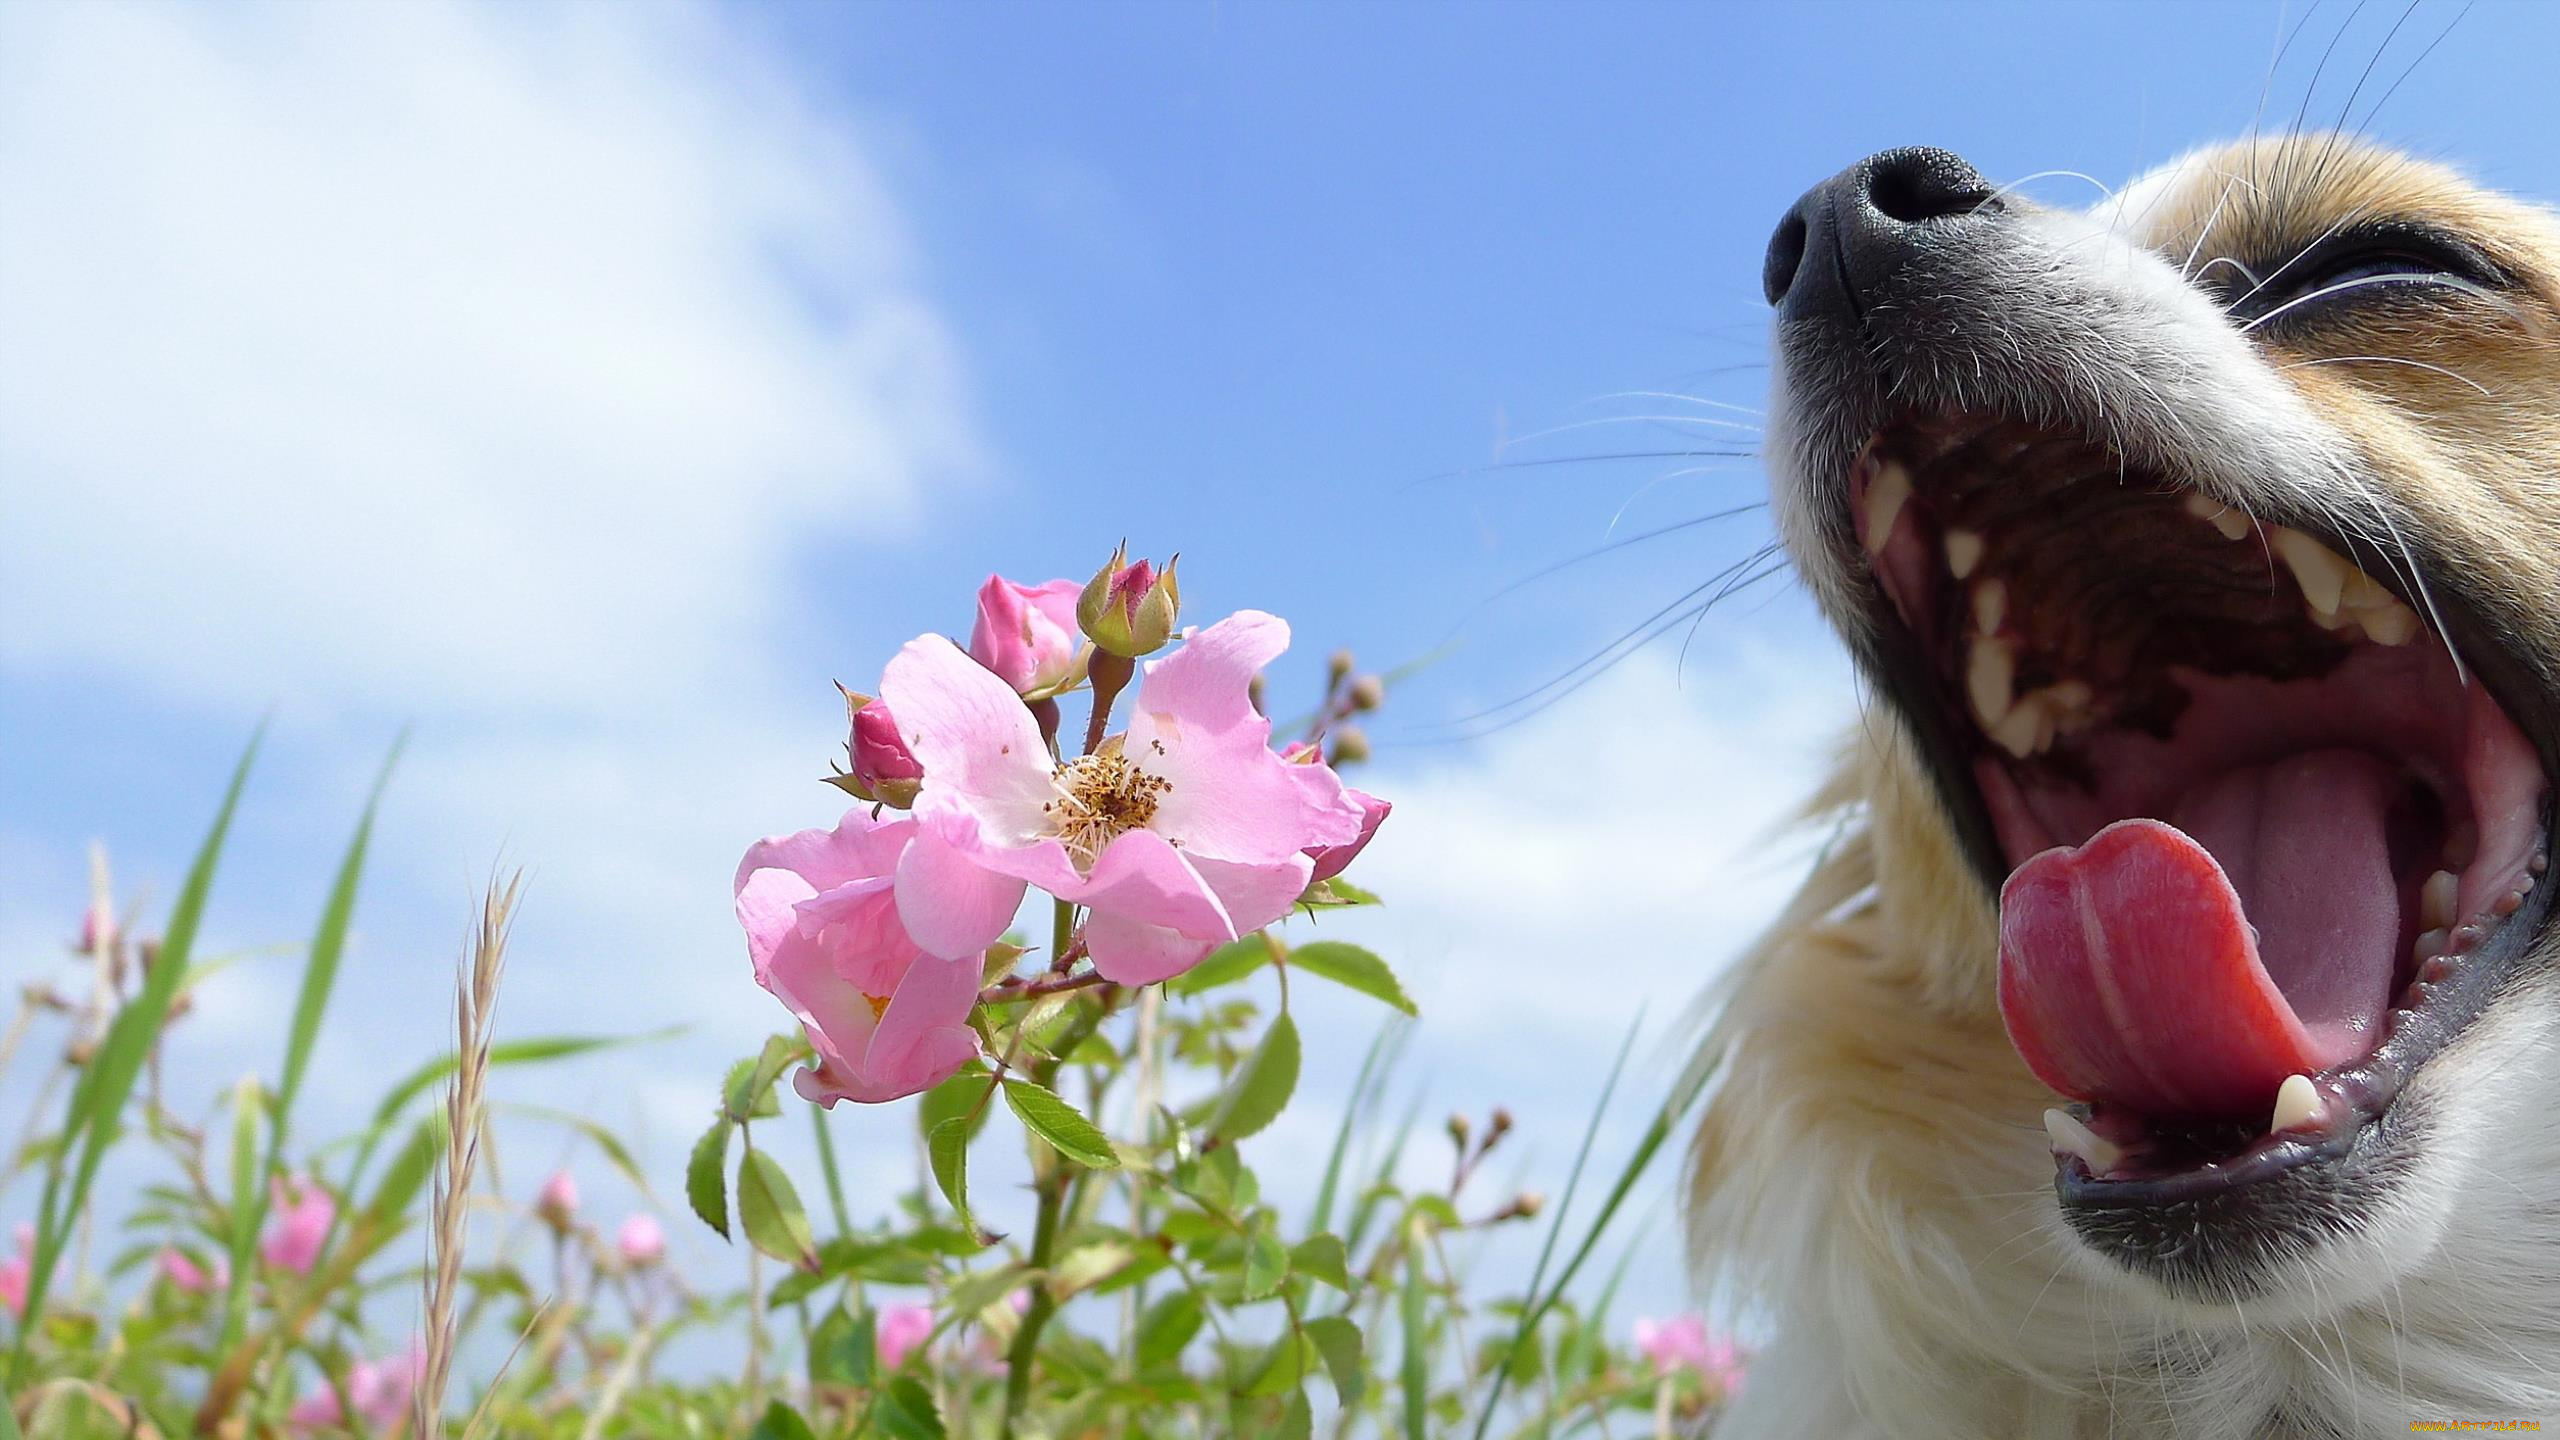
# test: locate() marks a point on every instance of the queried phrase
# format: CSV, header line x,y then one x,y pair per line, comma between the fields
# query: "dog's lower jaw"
x,y
1868,1171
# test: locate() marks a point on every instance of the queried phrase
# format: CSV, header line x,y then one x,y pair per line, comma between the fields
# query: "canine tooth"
x,y
2027,729
1990,605
2316,568
2435,900
1885,497
2297,1104
2388,623
2070,1137
2428,945
1989,672
2221,517
1964,552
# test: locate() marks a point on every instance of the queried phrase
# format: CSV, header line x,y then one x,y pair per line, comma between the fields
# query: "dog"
x,y
2167,1041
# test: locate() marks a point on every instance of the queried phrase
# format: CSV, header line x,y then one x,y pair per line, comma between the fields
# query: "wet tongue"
x,y
2129,969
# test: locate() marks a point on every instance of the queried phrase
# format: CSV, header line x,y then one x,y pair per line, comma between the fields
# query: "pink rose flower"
x,y
183,1273
381,1394
1682,1343
558,1202
1178,835
303,1212
900,1329
641,1242
823,928
1026,634
18,1271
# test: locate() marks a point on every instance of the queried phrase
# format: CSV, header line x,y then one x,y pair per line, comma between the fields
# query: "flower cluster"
x,y
1182,831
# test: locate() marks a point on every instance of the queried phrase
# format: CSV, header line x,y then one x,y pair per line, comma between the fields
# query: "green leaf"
x,y
1262,1085
1297,1422
962,1096
406,1175
706,1182
1321,1257
1225,965
98,1098
1054,1120
1266,1263
905,1411
857,1349
948,1148
769,1211
1339,1341
1167,1326
781,1422
1350,965
748,1092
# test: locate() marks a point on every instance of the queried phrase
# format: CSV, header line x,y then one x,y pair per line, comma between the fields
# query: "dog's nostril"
x,y
1924,183
1786,255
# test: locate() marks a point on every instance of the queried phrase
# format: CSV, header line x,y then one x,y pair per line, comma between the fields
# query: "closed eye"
x,y
2364,266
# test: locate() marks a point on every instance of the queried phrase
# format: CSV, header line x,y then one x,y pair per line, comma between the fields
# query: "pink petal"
x,y
1130,951
1142,876
858,846
952,904
980,748
924,1035
1256,895
1205,682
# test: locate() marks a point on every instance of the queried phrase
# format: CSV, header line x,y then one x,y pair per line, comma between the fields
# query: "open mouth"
x,y
2268,844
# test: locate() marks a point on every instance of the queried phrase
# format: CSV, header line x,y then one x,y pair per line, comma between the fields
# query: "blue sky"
x,y
587,388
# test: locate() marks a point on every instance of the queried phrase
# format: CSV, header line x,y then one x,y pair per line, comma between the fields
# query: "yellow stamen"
x,y
1101,797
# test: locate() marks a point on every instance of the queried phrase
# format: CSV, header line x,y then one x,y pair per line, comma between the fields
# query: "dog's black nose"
x,y
1853,231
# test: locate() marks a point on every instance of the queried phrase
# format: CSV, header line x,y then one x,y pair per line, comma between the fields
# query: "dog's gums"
x,y
2261,825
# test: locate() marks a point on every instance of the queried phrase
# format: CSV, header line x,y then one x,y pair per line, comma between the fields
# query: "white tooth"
x,y
1988,675
2222,517
2362,591
1964,552
2388,623
2027,729
2427,946
1990,605
2070,1137
2316,568
2297,1104
1885,496
2435,900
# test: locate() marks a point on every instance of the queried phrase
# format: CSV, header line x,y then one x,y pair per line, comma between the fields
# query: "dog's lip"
x,y
2436,1007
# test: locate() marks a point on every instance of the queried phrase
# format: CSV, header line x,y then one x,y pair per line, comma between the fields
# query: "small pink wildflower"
x,y
18,1271
303,1213
900,1329
380,1393
183,1273
1180,834
1682,1343
558,1202
1026,634
641,1242
823,930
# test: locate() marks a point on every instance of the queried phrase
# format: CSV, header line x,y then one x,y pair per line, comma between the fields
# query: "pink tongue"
x,y
2129,969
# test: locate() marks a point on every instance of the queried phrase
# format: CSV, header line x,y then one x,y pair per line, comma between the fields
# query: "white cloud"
x,y
496,357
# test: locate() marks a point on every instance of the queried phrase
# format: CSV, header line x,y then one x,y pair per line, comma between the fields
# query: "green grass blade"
x,y
1416,1324
100,1098
1555,1229
1351,1114
319,979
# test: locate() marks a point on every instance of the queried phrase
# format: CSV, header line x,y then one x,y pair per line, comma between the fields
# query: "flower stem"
x,y
1052,1187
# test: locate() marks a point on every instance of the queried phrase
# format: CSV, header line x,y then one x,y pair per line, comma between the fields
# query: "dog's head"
x,y
2206,546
